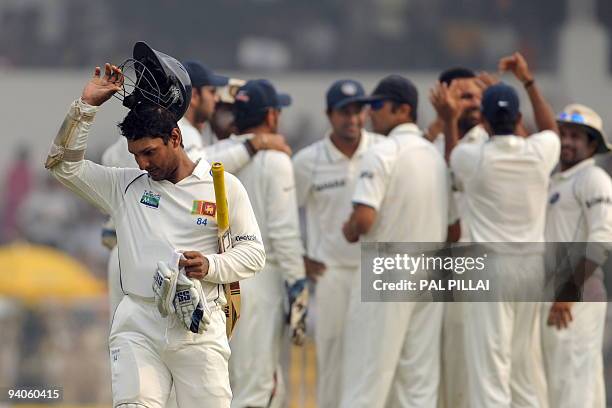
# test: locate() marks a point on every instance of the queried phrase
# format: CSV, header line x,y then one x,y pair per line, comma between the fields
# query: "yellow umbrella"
x,y
33,272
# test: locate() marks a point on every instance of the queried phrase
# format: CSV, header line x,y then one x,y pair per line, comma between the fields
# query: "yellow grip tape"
x,y
220,196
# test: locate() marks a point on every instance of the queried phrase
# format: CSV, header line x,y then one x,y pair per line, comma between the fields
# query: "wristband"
x,y
528,83
250,148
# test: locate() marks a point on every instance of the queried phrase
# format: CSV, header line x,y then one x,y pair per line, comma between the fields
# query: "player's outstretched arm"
x,y
99,185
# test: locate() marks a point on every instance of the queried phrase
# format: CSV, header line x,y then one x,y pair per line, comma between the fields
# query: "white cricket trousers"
x,y
150,353
573,357
500,337
115,294
391,353
257,339
453,380
332,299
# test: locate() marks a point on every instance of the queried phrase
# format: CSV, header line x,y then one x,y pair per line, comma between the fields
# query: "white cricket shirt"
x,y
192,138
505,183
580,205
477,134
269,181
325,182
155,218
406,181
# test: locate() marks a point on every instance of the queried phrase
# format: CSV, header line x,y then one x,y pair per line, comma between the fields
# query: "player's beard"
x,y
468,120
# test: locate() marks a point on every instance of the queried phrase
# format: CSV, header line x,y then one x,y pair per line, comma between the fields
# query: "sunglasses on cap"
x,y
574,118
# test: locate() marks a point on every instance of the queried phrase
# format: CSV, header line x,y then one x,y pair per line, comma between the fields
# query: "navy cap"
x,y
201,75
500,99
258,95
344,92
398,89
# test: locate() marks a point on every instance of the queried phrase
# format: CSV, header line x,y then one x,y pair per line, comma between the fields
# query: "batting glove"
x,y
164,288
190,304
298,309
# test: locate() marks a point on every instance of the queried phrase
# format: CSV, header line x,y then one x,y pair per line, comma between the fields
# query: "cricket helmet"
x,y
154,77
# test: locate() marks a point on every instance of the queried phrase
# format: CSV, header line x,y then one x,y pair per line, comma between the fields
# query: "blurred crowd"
x,y
281,34
50,342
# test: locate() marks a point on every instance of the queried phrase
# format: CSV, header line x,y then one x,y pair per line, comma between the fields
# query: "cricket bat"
x,y
224,240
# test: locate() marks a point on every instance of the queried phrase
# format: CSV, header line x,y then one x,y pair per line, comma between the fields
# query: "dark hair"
x,y
504,123
147,120
451,74
413,109
244,122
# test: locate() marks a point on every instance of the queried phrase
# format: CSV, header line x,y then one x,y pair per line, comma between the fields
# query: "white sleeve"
x,y
99,185
234,156
548,144
371,185
282,216
453,210
464,161
247,256
595,193
302,167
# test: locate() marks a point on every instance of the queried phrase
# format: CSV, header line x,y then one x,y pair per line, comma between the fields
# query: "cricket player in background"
x,y
392,349
325,174
505,184
456,99
269,182
579,200
153,211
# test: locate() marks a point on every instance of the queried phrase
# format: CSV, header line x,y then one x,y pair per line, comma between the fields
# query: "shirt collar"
x,y
475,134
572,171
242,138
336,155
405,128
202,170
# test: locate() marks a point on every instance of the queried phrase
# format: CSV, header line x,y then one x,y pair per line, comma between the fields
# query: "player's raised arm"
x,y
542,112
66,161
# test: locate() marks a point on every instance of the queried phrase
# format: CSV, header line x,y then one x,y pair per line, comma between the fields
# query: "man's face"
x,y
222,122
158,159
383,117
347,121
203,102
469,96
575,144
273,119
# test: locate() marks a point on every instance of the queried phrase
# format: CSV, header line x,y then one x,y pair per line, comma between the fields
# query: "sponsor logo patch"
x,y
150,199
329,184
239,238
201,207
598,200
554,198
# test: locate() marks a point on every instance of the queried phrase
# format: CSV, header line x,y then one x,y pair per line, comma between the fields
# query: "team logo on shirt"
x,y
201,207
366,174
554,198
150,199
